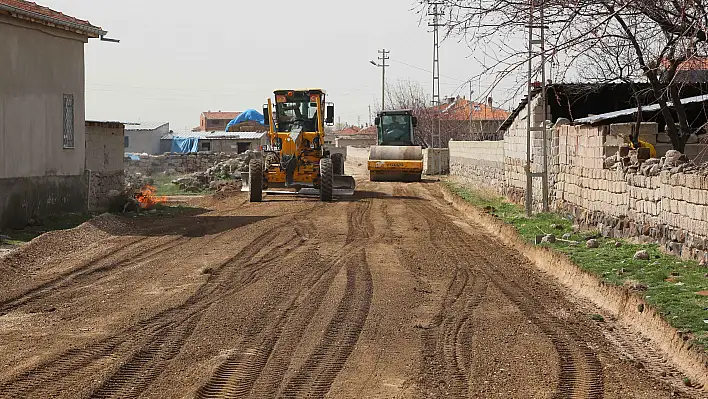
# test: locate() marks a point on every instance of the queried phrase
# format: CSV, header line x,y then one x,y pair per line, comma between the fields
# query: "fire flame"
x,y
147,198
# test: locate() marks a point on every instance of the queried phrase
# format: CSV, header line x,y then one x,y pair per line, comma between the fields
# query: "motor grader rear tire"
x,y
338,164
326,179
255,189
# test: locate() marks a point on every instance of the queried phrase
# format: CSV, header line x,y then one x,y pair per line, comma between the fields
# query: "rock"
x,y
655,170
641,255
549,239
672,156
567,236
592,243
113,193
610,161
618,244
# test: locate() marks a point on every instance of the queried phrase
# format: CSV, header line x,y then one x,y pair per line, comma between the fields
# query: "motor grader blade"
x,y
343,186
245,181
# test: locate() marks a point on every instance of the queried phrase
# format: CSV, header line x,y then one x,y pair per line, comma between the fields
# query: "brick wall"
x,y
669,208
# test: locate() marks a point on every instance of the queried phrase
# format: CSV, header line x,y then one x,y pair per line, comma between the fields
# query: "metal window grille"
x,y
68,121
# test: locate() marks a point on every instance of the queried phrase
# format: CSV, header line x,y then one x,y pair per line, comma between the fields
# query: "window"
x,y
205,146
126,142
68,121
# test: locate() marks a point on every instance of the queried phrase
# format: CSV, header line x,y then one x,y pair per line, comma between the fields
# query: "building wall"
x,y
38,176
39,65
146,141
104,162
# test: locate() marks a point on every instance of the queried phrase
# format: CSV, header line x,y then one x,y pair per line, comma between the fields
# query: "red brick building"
x,y
215,121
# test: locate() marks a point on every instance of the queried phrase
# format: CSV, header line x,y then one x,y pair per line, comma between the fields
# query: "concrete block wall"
x,y
478,162
436,161
671,209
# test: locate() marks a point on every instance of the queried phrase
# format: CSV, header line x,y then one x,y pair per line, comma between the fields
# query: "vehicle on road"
x,y
295,156
396,157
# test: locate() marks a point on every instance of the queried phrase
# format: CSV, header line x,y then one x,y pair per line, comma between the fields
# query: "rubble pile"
x,y
638,162
216,177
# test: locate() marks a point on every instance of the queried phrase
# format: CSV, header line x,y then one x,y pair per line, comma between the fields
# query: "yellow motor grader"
x,y
295,156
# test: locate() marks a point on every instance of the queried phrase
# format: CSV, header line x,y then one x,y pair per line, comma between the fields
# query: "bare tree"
x,y
407,94
613,40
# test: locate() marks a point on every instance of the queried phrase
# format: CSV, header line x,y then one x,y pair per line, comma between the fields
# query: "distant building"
x,y
227,142
144,137
42,112
215,121
463,119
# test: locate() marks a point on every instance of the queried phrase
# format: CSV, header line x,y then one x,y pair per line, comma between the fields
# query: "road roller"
x,y
396,157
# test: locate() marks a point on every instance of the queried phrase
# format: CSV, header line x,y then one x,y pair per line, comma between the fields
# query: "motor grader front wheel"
x,y
255,189
338,163
326,179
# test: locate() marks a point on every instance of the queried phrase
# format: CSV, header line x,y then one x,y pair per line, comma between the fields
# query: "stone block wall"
x,y
478,161
671,208
104,162
176,163
436,161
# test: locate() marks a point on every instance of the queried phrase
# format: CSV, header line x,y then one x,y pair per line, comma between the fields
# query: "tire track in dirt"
x,y
93,269
580,374
134,376
446,362
323,365
151,343
259,370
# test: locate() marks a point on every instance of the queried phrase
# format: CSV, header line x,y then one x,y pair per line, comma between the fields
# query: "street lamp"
x,y
384,57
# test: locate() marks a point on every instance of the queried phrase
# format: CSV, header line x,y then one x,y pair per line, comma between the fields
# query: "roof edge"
x,y
90,30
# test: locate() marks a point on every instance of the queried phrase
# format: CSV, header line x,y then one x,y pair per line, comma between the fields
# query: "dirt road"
x,y
391,293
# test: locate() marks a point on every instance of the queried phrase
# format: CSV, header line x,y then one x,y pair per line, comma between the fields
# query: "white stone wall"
x,y
670,208
478,162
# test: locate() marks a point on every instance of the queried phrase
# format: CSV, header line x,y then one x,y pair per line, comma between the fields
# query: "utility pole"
x,y
383,57
435,13
470,106
540,41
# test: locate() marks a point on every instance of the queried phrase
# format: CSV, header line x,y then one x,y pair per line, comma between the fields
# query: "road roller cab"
x,y
396,157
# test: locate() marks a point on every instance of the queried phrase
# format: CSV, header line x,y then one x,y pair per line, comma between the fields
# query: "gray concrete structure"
x,y
104,162
144,138
42,129
218,142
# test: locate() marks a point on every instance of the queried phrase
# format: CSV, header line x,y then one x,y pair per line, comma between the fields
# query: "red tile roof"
x,y
460,110
220,115
348,131
40,14
369,131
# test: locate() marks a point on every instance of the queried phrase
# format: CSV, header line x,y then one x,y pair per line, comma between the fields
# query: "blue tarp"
x,y
183,145
248,115
134,157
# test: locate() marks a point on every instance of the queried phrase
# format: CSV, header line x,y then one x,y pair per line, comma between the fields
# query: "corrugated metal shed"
x,y
144,125
590,120
216,135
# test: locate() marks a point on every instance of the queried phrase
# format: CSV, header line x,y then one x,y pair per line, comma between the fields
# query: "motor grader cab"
x,y
294,156
396,157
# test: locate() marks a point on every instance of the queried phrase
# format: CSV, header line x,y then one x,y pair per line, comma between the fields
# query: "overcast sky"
x,y
179,58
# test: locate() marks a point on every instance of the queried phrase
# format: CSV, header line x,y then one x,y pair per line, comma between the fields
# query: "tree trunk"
x,y
685,129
